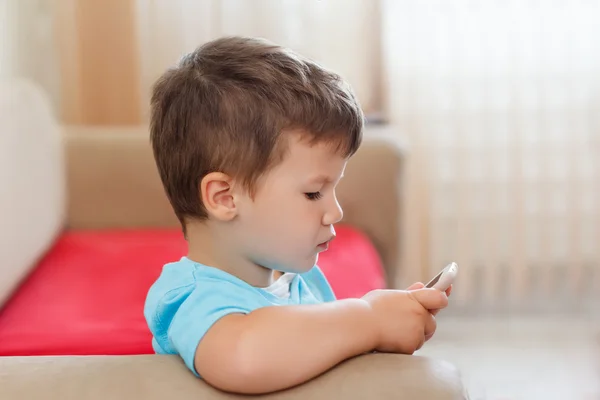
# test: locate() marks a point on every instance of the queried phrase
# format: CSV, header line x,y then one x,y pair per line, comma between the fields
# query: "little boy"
x,y
250,140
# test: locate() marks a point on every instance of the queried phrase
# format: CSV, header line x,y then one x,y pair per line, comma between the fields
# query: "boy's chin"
x,y
297,265
301,267
309,264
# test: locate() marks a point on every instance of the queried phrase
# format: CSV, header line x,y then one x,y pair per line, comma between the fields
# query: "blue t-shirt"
x,y
188,298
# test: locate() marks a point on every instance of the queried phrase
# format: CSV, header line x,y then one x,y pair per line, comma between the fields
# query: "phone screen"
x,y
434,280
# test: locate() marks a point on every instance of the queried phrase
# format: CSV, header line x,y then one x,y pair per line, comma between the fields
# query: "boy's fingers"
x,y
416,286
431,299
430,327
449,290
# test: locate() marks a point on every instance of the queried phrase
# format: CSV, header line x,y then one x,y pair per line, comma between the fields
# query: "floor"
x,y
518,358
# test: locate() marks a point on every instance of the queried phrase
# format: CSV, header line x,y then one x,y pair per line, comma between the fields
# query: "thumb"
x,y
415,286
431,299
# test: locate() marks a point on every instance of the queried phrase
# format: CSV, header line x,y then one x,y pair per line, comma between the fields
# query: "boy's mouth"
x,y
325,245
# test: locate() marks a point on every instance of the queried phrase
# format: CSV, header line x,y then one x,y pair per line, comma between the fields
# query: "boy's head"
x,y
248,133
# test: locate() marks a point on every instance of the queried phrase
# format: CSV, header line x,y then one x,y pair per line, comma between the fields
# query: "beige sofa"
x,y
109,180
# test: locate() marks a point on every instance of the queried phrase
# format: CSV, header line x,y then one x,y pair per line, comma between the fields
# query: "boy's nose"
x,y
334,214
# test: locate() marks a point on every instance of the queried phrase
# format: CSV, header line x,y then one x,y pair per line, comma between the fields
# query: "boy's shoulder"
x,y
179,278
178,275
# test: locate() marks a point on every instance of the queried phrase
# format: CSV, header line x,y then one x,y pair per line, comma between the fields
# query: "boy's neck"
x,y
203,248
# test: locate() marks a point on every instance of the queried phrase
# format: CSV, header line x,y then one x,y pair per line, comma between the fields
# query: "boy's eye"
x,y
313,195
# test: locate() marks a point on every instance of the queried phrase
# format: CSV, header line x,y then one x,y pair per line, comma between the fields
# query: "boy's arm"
x,y
277,347
274,348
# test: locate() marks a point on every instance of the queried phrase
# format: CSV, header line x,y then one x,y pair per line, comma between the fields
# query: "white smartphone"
x,y
444,279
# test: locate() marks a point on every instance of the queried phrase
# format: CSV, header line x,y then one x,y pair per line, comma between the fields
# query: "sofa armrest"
x,y
148,377
32,181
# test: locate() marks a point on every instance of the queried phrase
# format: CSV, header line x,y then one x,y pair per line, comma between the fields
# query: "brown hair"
x,y
224,106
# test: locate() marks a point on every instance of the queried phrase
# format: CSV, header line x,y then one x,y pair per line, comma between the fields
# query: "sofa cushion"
x,y
86,296
32,180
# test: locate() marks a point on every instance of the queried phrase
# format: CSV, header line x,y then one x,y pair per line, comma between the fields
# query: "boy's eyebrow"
x,y
322,179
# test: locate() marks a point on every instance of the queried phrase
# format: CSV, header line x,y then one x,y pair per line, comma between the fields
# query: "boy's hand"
x,y
402,318
420,285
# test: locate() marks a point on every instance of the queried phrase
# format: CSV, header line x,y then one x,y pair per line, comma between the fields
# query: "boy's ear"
x,y
216,193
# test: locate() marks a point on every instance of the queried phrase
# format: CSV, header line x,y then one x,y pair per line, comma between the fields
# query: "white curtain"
x,y
342,34
501,101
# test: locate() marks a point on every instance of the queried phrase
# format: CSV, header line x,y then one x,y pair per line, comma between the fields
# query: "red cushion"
x,y
86,296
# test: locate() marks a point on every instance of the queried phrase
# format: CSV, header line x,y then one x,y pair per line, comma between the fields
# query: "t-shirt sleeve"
x,y
208,301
